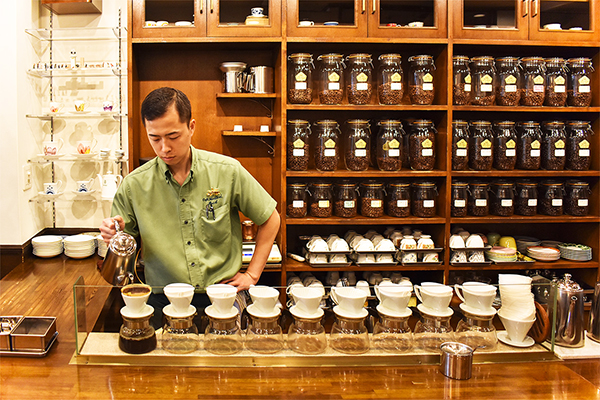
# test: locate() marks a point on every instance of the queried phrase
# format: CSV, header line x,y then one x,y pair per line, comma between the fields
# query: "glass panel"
x,y
171,11
333,12
490,14
405,12
565,14
244,12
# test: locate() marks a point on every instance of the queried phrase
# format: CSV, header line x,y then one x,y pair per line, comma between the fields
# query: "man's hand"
x,y
107,228
242,281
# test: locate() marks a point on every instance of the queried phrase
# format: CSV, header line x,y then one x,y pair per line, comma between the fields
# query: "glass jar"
x,y
481,155
461,81
554,142
483,72
577,198
556,82
421,89
529,145
578,145
296,200
300,82
321,200
357,146
421,145
346,200
223,336
551,198
477,332
371,199
424,199
349,335
331,78
431,331
460,195
180,335
392,334
388,145
579,83
360,78
533,82
505,145
307,336
479,205
264,335
327,146
509,76
298,139
526,198
502,201
390,88
460,145
136,335
398,199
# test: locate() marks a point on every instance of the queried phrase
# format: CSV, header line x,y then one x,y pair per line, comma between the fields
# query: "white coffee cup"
x,y
516,330
476,295
350,299
86,146
364,286
52,147
79,105
307,299
222,296
306,23
317,285
52,188
393,298
107,106
85,186
55,106
135,296
264,298
180,295
257,11
434,296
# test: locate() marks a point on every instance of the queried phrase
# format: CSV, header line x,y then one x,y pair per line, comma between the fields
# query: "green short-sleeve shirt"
x,y
191,233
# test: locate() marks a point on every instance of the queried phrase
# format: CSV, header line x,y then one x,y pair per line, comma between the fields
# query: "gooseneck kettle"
x,y
568,309
594,328
119,263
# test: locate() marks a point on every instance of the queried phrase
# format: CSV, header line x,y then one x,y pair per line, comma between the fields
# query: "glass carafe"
x,y
136,335
357,145
327,145
264,335
388,145
180,335
331,78
360,78
431,331
392,334
461,81
298,144
421,88
390,87
223,336
477,331
307,336
349,335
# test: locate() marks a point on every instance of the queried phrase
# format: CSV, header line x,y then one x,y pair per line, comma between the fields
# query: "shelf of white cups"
x,y
84,151
80,110
468,249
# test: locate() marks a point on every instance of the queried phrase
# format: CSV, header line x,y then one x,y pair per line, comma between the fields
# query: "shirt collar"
x,y
164,169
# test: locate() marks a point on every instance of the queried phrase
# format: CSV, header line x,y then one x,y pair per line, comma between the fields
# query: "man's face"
x,y
170,138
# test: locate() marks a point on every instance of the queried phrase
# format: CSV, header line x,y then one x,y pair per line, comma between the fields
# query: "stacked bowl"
x,y
501,254
518,309
80,246
523,242
47,246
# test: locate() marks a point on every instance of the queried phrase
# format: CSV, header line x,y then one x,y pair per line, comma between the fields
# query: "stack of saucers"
x,y
575,252
501,254
523,242
102,246
541,253
47,246
80,246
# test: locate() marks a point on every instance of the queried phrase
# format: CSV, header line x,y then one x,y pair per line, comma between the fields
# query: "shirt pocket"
x,y
217,229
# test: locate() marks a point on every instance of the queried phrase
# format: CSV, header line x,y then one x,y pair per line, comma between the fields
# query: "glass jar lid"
x,y
298,122
301,56
552,183
533,60
322,184
371,184
483,60
557,124
504,124
423,57
357,122
508,60
579,184
481,123
526,183
327,123
390,57
479,184
529,124
579,124
297,185
422,122
424,184
394,123
331,57
460,123
579,61
460,184
399,184
360,56
555,62
460,59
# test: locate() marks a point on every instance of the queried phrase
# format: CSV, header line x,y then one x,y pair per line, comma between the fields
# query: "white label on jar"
x,y
396,86
427,152
532,202
559,89
323,203
584,152
362,86
506,203
510,88
480,202
511,152
427,86
376,203
486,88
428,203
486,152
360,152
467,87
402,203
559,153
394,152
329,152
538,88
300,86
461,152
582,202
298,152
298,203
460,203
535,152
349,204
584,89
333,86
556,202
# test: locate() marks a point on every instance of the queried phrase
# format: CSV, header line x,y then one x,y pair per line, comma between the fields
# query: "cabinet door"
x,y
485,19
407,18
327,19
244,17
183,18
563,20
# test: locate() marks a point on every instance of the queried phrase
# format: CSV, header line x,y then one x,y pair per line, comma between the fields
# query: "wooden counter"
x,y
44,287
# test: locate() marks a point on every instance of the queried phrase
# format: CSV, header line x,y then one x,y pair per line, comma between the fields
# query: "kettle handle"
x,y
117,226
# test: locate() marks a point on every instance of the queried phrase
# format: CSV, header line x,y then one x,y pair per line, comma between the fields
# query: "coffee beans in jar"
x,y
526,198
579,83
461,81
502,199
422,145
505,145
300,81
460,145
478,203
483,73
509,77
388,145
554,142
326,145
346,200
321,200
460,195
424,199
533,82
296,203
421,88
551,198
331,78
398,200
579,146
371,199
529,145
556,82
298,138
357,145
360,82
481,154
577,198
390,85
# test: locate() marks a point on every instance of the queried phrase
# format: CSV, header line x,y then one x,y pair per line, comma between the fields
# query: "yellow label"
x,y
301,77
510,144
461,144
535,144
362,77
538,80
584,80
361,144
394,144
427,143
468,79
584,144
559,80
511,80
330,144
560,144
428,77
333,77
486,79
386,146
396,77
486,144
298,144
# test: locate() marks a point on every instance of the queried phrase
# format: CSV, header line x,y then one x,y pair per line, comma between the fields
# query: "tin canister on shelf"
x,y
481,152
579,153
360,78
460,195
526,198
298,145
398,199
390,85
502,201
554,142
529,145
424,199
478,204
505,145
461,81
577,198
331,78
357,146
321,200
579,83
326,145
551,196
371,199
533,81
460,145
483,73
509,77
300,82
388,145
556,82
346,200
421,87
297,205
422,145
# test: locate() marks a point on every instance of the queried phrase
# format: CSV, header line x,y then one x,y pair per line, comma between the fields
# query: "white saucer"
x,y
50,156
426,310
482,313
147,311
170,311
88,155
79,112
503,337
255,313
50,195
393,313
212,312
363,313
83,193
300,314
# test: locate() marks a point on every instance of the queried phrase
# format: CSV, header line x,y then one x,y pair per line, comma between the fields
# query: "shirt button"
x,y
189,243
185,222
193,264
183,200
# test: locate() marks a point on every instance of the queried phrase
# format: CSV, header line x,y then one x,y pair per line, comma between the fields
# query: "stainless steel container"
x,y
566,304
33,333
260,80
456,360
594,328
7,326
233,77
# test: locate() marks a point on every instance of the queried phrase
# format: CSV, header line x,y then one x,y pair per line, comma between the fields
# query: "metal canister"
x,y
566,305
456,360
594,328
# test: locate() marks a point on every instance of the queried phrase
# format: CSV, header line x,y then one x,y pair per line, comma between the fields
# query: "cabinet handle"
x,y
211,6
374,6
524,7
201,6
364,6
536,9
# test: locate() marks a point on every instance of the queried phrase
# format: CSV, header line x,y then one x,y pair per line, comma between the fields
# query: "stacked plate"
x,y
102,246
575,252
541,253
501,254
47,246
523,242
80,246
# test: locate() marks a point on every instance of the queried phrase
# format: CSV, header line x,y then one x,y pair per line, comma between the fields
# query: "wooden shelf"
x,y
249,133
366,107
371,173
385,220
246,95
560,264
524,173
521,219
524,109
293,265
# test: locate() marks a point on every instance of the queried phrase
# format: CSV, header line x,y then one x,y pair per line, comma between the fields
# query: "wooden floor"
x,y
44,287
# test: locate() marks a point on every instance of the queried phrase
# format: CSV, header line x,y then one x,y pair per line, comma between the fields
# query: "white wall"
x,y
21,137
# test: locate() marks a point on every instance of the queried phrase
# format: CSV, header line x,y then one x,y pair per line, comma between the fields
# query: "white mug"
x,y
264,298
350,299
79,105
52,187
222,297
180,295
476,295
86,146
55,106
257,11
85,186
434,296
51,148
107,106
306,23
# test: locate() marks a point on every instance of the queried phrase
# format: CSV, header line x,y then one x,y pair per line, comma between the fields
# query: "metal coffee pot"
x,y
594,328
234,78
566,303
119,263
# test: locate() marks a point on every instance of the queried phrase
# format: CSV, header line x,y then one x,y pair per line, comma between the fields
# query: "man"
x,y
184,205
